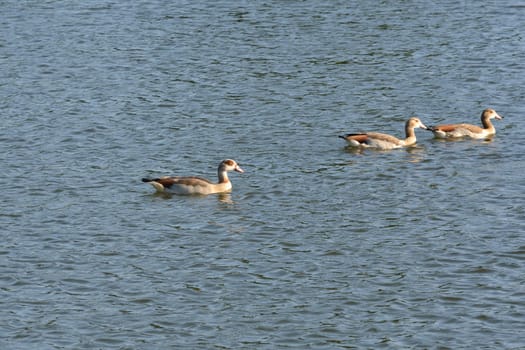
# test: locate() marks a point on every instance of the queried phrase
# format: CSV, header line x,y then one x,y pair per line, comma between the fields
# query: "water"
x,y
318,246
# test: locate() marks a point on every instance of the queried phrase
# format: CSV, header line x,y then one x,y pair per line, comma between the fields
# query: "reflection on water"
x,y
225,198
222,197
163,195
416,152
465,138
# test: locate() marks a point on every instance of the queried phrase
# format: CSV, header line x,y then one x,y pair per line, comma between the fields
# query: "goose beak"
x,y
238,169
498,117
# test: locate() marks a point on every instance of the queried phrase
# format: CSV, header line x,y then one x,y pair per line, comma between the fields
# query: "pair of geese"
x,y
198,185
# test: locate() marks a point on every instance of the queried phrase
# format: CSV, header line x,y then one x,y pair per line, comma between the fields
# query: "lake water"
x,y
318,246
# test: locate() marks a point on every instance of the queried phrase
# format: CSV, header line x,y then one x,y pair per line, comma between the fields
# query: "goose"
x,y
194,184
385,141
468,130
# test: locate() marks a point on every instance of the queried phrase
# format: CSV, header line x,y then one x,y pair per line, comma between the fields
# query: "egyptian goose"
x,y
194,184
385,141
468,130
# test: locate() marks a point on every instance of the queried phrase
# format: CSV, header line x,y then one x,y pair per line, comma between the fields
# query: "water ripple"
x,y
318,245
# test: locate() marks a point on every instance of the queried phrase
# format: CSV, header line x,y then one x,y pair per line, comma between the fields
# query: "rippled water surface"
x,y
318,246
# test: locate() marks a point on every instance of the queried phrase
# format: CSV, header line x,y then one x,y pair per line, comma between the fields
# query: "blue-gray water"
x,y
318,246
